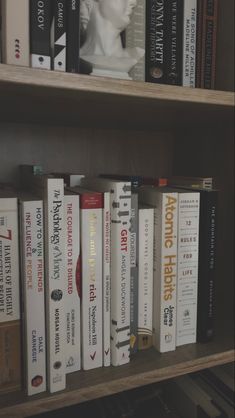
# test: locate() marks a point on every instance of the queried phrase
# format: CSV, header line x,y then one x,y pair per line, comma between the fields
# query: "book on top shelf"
x,y
40,34
15,32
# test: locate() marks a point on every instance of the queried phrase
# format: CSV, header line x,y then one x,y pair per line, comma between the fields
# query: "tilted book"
x,y
120,205
189,43
60,35
15,32
187,276
40,37
145,279
72,287
33,298
165,204
90,276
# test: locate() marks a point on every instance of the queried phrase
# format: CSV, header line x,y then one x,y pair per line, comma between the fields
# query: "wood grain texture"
x,y
145,368
30,95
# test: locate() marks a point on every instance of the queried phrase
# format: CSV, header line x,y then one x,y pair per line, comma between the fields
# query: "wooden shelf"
x,y
28,95
145,368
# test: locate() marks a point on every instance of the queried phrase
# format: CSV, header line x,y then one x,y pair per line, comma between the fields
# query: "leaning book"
x,y
32,275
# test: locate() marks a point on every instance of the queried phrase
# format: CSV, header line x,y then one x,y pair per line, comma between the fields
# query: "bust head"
x,y
117,12
85,11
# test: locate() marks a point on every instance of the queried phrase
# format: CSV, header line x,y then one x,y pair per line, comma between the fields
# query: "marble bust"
x,y
103,21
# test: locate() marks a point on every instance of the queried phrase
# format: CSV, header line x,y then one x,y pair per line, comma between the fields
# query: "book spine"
x,y
135,38
189,43
9,261
72,294
199,43
33,295
15,32
165,272
91,274
207,258
73,36
187,277
106,280
40,20
209,33
174,44
155,41
55,283
120,272
145,314
134,274
59,58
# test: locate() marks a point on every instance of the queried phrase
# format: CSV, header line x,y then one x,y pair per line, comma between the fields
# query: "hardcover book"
x,y
195,182
32,268
165,204
187,272
15,32
189,43
120,205
134,273
209,38
145,280
40,39
156,41
73,288
60,35
174,45
90,277
73,36
135,37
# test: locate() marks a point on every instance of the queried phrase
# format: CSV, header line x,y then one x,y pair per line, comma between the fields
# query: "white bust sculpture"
x,y
104,20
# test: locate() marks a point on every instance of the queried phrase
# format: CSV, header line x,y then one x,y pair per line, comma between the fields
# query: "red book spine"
x,y
209,35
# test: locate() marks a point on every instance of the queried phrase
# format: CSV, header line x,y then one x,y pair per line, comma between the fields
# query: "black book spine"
x,y
73,36
174,42
59,57
155,41
206,271
40,27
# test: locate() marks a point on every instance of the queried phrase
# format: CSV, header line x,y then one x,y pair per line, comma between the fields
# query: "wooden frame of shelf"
x,y
43,97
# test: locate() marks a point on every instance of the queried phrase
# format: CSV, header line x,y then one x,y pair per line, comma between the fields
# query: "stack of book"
x,y
109,265
158,41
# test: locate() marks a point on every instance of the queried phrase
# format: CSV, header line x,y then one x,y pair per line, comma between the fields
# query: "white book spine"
x,y
72,293
145,303
165,272
189,42
15,32
32,248
9,261
106,279
92,283
187,277
55,283
120,209
120,273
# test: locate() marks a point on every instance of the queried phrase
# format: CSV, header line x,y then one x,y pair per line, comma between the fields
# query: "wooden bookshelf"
x,y
145,368
94,125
